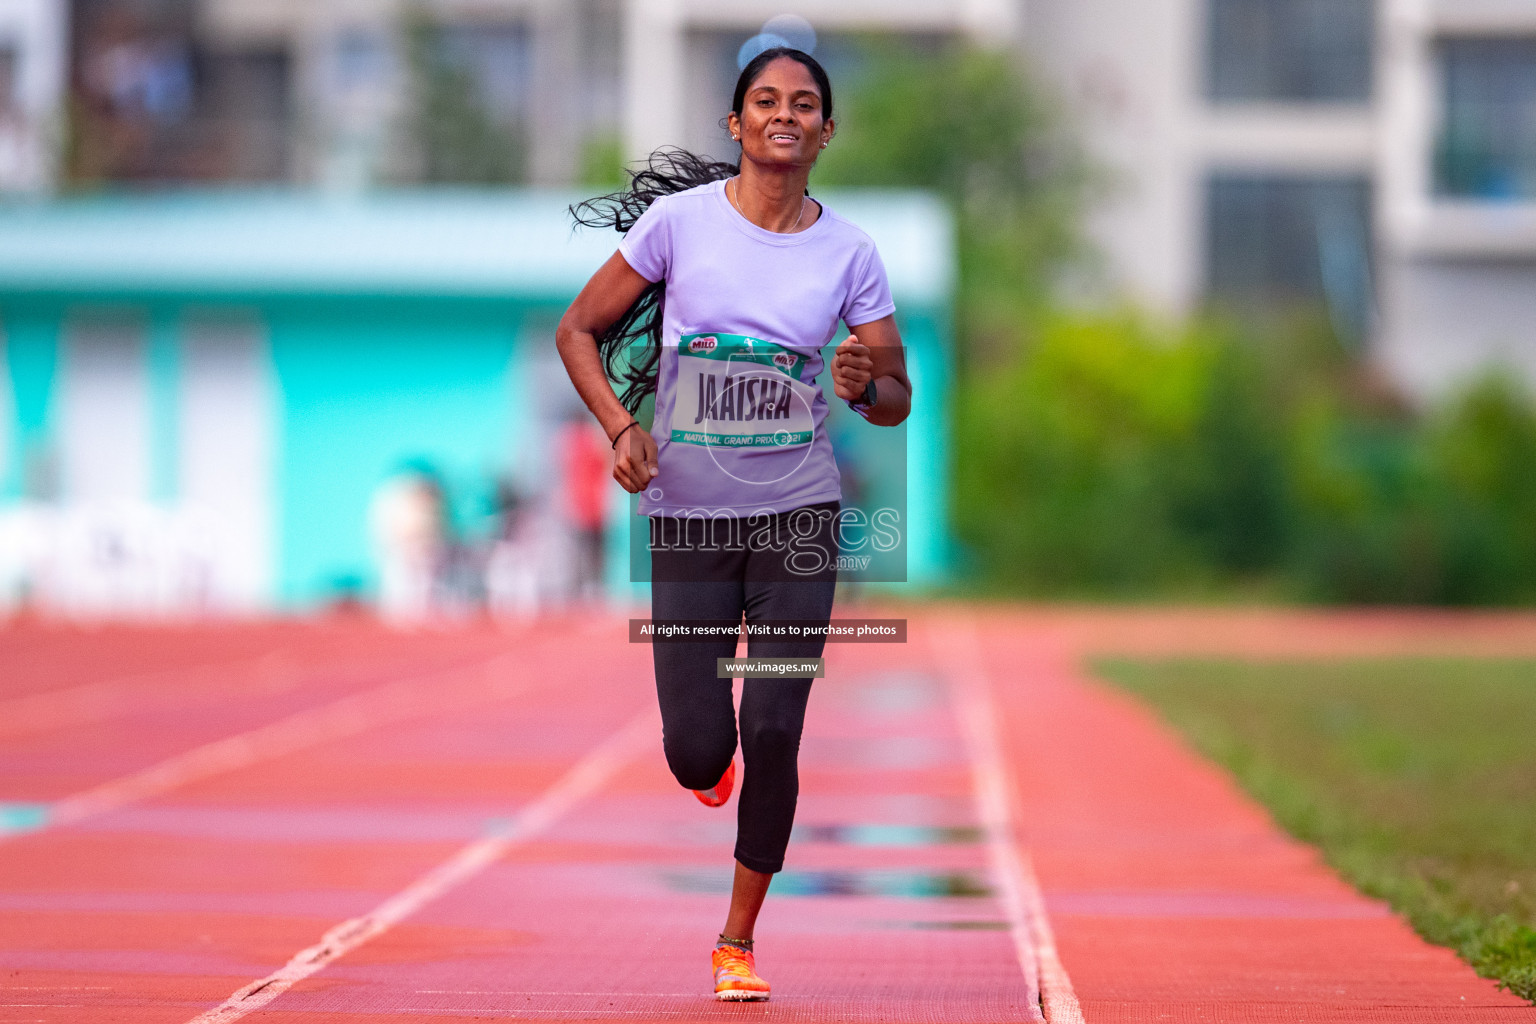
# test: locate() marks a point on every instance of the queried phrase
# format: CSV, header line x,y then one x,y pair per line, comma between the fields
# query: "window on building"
x,y
242,116
1487,136
169,110
361,63
1279,242
1289,50
496,58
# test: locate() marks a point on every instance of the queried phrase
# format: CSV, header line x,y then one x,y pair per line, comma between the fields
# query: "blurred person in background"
x,y
533,562
510,586
727,286
408,520
585,468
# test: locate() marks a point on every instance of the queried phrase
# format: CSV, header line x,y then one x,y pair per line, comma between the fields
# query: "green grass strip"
x,y
1416,777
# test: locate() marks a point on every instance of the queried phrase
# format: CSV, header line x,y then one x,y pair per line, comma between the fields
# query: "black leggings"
x,y
718,581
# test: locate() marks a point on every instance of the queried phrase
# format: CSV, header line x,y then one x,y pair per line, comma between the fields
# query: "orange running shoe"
x,y
736,974
720,792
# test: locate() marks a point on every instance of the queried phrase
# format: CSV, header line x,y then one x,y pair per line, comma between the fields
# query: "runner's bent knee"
x,y
697,761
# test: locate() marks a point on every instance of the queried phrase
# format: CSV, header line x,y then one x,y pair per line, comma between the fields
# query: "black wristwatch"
x,y
867,400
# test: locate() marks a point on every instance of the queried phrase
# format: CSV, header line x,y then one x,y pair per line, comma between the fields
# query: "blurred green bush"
x,y
1115,458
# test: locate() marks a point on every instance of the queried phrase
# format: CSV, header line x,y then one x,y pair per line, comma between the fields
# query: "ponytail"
x,y
665,172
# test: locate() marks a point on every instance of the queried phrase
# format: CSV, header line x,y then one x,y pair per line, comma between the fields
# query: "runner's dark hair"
x,y
631,346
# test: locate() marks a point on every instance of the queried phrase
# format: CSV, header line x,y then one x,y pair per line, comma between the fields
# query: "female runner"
x,y
737,472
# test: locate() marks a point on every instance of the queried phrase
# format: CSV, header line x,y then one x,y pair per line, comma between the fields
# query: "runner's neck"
x,y
774,201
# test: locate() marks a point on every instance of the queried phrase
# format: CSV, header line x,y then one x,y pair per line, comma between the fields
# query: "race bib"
x,y
740,392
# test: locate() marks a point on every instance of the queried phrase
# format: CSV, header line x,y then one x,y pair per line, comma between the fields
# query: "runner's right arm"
x,y
606,297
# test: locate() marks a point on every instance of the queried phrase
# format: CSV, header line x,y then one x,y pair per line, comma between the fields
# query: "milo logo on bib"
x,y
739,392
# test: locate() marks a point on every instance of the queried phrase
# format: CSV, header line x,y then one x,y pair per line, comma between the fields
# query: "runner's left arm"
x,y
873,351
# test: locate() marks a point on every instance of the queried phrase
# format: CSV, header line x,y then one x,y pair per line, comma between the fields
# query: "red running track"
x,y
334,822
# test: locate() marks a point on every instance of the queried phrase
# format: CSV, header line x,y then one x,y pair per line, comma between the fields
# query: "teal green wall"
x,y
908,463
34,331
364,388
925,332
31,356
164,345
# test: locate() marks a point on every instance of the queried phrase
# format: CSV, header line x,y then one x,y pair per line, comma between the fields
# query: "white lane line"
x,y
960,661
391,702
588,775
92,702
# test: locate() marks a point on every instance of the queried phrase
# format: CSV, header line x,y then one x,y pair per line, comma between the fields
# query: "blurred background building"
x,y
1376,155
1375,159
324,380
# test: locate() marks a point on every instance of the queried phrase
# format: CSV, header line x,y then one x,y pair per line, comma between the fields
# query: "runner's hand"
x,y
851,366
634,461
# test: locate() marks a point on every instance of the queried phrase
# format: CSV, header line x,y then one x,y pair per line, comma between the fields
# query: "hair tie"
x,y
632,423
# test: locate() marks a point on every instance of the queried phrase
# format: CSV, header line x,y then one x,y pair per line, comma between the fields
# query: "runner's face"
x,y
781,121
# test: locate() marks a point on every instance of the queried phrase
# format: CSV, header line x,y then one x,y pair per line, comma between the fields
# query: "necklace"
x,y
736,203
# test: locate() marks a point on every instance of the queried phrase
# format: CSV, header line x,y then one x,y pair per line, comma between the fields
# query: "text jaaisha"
x,y
743,398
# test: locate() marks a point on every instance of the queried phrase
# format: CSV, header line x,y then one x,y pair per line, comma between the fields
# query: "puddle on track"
x,y
888,835
878,883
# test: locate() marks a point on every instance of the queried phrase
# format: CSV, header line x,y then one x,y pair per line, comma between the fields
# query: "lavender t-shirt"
x,y
739,413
